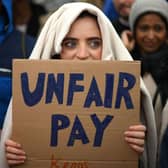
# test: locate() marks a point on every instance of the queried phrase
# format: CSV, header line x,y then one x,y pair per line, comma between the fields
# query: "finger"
x,y
14,150
137,128
15,162
135,134
137,149
135,141
125,38
12,144
10,156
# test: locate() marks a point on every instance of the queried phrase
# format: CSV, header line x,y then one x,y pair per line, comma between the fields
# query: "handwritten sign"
x,y
72,114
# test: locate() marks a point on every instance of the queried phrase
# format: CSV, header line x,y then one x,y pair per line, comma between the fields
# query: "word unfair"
x,y
55,86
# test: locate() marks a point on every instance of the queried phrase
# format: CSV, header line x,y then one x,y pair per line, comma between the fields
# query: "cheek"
x,y
97,54
140,40
163,37
139,37
66,54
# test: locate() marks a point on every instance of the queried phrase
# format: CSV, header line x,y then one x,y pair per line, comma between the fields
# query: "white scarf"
x,y
49,43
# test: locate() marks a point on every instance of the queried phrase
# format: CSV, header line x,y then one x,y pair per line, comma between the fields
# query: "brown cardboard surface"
x,y
33,123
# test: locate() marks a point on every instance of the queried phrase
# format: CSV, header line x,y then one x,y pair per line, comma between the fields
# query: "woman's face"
x,y
150,33
83,42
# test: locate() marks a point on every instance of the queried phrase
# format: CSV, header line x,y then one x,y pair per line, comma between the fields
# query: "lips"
x,y
151,45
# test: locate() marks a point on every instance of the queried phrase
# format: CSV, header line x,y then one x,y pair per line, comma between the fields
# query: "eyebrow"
x,y
69,38
95,38
90,38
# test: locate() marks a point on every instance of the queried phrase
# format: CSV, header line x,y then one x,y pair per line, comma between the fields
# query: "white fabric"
x,y
59,24
49,42
161,113
152,88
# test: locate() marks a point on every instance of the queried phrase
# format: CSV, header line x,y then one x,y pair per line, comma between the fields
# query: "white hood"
x,y
58,25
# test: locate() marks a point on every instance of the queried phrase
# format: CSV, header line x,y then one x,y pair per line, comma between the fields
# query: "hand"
x,y
14,153
135,137
128,40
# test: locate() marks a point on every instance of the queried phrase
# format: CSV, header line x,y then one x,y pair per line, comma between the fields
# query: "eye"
x,y
69,43
158,28
95,43
143,28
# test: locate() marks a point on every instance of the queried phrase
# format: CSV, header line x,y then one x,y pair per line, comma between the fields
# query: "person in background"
x,y
147,41
13,44
76,40
123,8
27,16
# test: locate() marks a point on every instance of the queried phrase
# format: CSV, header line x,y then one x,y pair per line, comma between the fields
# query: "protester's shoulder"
x,y
17,35
30,39
23,46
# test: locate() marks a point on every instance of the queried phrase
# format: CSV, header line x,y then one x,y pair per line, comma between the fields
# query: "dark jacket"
x,y
14,44
119,26
157,65
34,24
164,151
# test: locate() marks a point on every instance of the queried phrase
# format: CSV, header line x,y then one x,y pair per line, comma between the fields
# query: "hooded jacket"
x,y
49,43
13,44
6,27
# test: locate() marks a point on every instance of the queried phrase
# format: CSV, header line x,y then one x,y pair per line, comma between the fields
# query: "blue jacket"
x,y
13,44
6,26
109,10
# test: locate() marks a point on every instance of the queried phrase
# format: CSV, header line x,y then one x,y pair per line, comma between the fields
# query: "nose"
x,y
82,52
151,34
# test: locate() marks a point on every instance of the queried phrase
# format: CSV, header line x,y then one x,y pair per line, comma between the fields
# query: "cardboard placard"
x,y
72,114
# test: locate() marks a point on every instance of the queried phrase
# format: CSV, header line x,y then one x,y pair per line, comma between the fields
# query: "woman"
x,y
76,40
148,42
